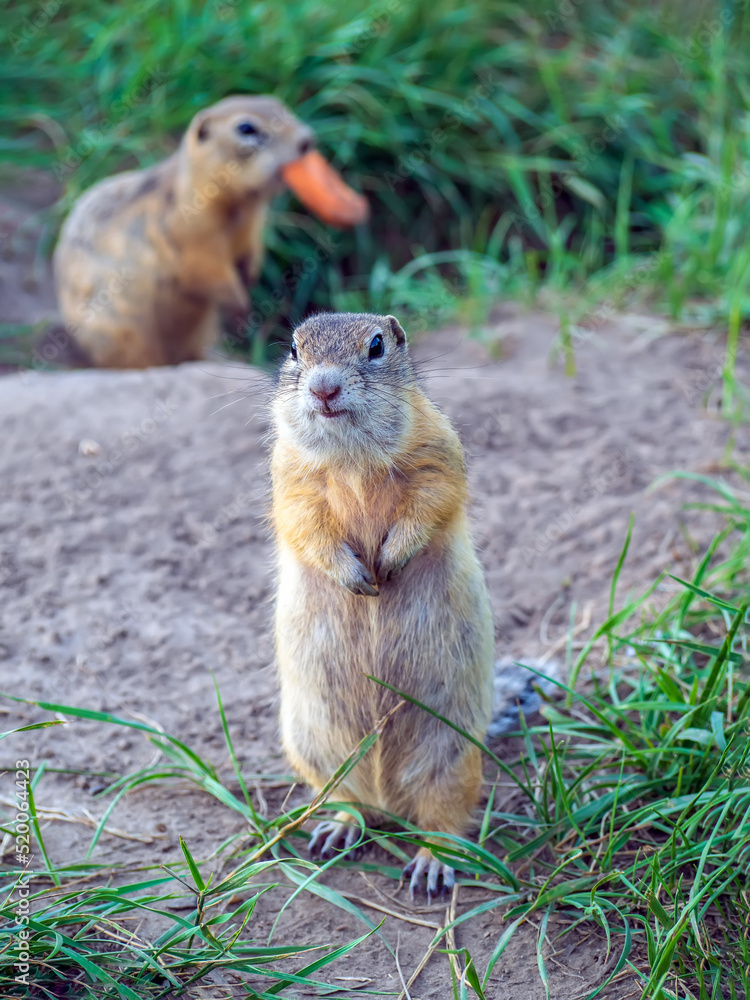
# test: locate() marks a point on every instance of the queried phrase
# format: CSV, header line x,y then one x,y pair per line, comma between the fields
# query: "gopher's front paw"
x,y
355,576
398,550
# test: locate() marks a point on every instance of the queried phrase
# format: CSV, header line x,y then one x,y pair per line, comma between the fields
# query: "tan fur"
x,y
147,258
375,500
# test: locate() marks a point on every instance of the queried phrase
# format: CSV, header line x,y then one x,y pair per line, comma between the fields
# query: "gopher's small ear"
x,y
204,130
397,330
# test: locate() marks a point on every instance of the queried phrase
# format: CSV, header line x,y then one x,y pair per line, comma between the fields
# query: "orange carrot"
x,y
321,189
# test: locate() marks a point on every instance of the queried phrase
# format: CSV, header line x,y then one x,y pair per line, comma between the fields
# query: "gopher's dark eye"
x,y
293,351
247,128
377,347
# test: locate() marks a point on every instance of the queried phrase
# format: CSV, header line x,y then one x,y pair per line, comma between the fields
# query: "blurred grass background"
x,y
596,152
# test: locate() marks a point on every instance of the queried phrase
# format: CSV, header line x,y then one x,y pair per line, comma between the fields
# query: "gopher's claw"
x,y
435,869
333,837
387,573
364,589
359,579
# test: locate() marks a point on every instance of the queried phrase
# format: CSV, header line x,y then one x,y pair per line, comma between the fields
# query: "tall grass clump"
x,y
504,146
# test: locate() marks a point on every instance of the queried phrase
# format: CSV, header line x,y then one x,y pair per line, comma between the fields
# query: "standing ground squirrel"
x,y
148,257
377,574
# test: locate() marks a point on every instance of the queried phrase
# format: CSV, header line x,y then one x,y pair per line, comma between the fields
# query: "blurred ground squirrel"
x,y
377,575
148,257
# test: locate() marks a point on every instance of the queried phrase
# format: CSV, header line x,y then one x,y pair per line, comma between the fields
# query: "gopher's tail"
x,y
518,689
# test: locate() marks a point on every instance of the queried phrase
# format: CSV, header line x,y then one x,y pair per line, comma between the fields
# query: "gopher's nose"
x,y
325,384
325,393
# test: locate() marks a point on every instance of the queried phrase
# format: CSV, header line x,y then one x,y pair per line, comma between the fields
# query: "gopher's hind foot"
x,y
423,863
333,837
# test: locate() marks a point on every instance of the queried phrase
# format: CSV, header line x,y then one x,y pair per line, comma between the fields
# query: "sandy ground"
x,y
135,567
